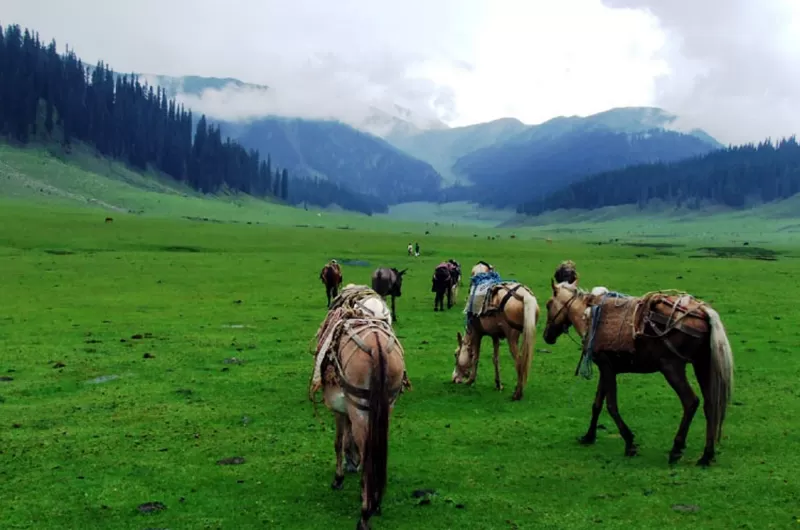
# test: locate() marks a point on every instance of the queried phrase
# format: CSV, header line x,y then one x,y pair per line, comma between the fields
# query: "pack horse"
x,y
360,368
662,332
501,310
331,276
445,282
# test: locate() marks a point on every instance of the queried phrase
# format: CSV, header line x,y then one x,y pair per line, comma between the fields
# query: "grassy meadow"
x,y
119,385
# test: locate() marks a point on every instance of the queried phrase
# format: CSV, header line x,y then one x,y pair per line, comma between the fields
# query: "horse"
x,y
566,272
386,281
481,267
456,274
443,283
364,373
410,249
659,343
331,276
513,311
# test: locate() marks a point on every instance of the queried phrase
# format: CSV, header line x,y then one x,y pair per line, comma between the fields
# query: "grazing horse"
x,y
513,311
481,267
331,276
386,282
654,333
442,283
364,373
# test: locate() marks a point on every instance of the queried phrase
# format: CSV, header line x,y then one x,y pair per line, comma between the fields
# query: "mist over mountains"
x,y
390,153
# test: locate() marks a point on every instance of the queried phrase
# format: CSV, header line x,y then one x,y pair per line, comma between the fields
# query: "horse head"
x,y
397,284
463,358
559,307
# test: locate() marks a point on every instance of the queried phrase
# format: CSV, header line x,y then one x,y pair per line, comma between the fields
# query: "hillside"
x,y
337,152
442,148
734,177
51,99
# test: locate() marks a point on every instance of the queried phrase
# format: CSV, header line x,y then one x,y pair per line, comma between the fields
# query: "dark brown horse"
x,y
331,276
443,284
654,333
388,282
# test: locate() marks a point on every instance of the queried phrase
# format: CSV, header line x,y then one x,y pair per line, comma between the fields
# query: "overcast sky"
x,y
731,67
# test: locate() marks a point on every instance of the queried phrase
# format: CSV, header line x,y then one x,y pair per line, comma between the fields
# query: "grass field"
x,y
93,426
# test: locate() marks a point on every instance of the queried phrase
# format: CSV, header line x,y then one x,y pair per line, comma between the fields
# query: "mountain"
x,y
735,177
443,147
339,153
543,158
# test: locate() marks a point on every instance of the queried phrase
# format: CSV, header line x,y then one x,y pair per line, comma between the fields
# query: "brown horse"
x,y
388,282
664,334
511,311
331,276
443,284
364,373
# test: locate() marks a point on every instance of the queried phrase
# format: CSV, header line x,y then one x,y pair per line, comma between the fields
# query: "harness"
x,y
356,395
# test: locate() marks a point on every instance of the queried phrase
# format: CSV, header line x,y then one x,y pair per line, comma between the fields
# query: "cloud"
x,y
730,67
734,65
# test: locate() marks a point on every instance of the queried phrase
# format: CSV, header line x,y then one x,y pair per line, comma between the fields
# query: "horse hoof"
x,y
674,458
586,439
338,482
704,462
516,397
631,451
498,387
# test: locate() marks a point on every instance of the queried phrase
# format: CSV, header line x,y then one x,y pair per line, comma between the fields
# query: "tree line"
x,y
48,96
736,176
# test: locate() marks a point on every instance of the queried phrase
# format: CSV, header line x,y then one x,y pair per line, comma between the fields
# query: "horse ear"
x,y
402,272
458,336
553,284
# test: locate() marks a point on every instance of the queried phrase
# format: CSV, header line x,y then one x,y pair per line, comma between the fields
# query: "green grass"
x,y
85,443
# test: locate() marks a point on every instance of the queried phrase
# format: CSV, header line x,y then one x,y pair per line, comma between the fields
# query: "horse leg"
x,y
496,360
359,431
474,373
449,298
597,407
351,457
702,371
513,345
675,373
394,314
341,428
610,382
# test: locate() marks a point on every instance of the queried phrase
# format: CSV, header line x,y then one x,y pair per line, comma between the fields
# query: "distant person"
x,y
416,249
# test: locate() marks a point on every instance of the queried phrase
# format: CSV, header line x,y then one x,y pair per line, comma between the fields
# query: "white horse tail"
x,y
721,374
530,318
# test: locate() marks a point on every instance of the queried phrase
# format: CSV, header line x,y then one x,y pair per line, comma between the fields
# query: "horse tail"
x,y
721,374
376,448
530,318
